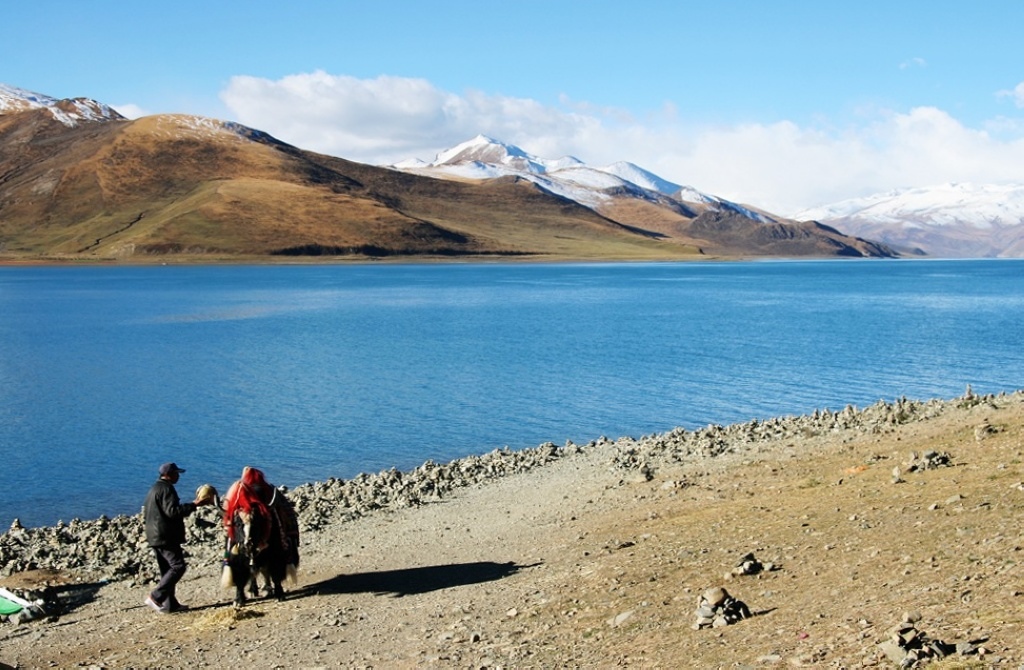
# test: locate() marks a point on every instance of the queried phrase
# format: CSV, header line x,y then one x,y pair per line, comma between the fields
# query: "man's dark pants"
x,y
172,568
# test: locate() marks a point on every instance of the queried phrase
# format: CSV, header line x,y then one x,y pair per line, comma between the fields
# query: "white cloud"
x,y
387,119
1017,94
784,167
781,166
913,62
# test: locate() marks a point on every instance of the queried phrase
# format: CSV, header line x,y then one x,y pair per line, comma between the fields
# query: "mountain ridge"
x,y
483,157
69,112
946,220
951,220
80,182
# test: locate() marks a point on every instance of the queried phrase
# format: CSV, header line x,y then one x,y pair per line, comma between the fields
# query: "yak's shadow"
x,y
409,581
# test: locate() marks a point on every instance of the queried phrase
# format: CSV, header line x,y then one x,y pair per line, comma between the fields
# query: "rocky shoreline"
x,y
880,537
111,549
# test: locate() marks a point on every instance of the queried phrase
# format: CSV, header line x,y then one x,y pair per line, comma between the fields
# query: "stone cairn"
x,y
929,460
984,430
749,565
908,645
716,608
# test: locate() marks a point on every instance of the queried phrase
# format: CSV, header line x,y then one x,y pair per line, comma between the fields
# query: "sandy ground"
x,y
582,565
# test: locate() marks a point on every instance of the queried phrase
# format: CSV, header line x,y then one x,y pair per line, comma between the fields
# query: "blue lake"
x,y
325,371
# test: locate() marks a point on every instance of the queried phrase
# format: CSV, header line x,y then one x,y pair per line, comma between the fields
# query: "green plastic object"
x,y
8,607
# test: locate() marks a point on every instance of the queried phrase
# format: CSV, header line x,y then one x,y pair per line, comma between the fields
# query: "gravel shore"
x,y
592,555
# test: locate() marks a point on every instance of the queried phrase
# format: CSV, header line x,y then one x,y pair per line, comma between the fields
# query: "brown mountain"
x,y
98,186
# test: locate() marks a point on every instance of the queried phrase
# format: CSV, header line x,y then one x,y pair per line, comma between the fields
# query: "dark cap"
x,y
169,469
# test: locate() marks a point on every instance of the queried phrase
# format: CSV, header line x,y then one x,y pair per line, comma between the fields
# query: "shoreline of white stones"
x,y
109,549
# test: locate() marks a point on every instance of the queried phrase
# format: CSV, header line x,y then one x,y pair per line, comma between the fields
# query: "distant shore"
x,y
146,261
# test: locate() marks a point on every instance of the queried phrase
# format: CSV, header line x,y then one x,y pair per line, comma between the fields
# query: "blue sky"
x,y
780,104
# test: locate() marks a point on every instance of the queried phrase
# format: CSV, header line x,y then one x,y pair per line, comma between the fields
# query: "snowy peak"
x,y
82,110
70,112
652,182
974,205
957,220
486,158
485,150
482,149
641,177
13,99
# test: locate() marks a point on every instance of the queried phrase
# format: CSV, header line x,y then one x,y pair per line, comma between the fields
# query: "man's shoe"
x,y
162,609
179,607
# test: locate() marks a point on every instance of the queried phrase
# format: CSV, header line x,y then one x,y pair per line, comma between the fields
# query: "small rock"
x,y
715,596
620,619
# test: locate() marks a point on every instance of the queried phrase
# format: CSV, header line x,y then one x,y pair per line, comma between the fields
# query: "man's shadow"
x,y
409,581
67,598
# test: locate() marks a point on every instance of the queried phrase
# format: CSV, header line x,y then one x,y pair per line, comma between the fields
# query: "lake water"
x,y
325,371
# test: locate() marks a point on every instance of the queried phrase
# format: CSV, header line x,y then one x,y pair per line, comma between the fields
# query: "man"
x,y
165,516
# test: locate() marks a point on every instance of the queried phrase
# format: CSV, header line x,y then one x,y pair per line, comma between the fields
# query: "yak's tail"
x,y
293,574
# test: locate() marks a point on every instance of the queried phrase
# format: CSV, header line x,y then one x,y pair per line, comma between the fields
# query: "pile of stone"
x,y
984,430
972,399
716,608
908,646
749,565
929,460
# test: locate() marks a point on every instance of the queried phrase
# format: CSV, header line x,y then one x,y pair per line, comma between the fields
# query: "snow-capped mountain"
x,y
948,220
69,112
484,150
485,158
79,177
977,205
84,110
